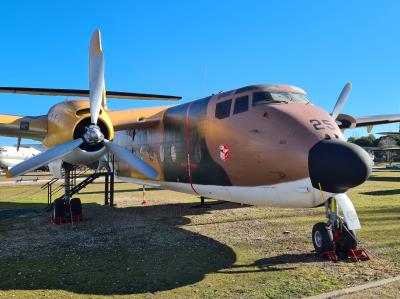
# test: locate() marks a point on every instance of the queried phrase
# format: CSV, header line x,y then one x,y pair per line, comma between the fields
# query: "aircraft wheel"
x,y
76,206
322,238
58,208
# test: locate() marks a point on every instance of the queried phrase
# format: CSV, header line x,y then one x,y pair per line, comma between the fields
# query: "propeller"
x,y
45,157
341,100
132,160
96,76
93,135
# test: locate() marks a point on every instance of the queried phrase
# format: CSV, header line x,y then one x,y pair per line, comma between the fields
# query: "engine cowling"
x,y
68,121
346,121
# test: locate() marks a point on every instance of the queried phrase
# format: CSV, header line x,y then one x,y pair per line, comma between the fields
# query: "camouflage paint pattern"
x,y
268,144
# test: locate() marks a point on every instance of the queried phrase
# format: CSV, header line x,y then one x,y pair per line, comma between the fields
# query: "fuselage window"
x,y
241,105
132,134
223,109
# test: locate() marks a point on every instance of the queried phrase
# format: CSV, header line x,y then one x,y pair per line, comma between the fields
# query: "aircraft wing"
x,y
347,121
23,126
85,93
136,118
394,134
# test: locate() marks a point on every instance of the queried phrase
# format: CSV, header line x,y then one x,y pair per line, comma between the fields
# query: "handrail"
x,y
51,182
75,188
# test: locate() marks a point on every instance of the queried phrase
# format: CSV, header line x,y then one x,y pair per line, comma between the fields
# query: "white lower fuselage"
x,y
295,194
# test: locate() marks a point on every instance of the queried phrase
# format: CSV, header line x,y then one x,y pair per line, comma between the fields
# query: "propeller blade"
x,y
96,76
341,100
132,160
44,158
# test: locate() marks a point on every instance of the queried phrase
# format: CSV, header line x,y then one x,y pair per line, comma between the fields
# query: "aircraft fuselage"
x,y
249,145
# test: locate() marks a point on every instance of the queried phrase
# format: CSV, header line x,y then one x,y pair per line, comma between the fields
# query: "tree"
x,y
364,141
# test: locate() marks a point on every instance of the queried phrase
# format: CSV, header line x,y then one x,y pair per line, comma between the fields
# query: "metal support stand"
x,y
109,183
112,187
49,194
205,205
106,191
67,183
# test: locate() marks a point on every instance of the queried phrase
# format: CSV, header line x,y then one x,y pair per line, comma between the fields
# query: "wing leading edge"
x,y
85,93
348,122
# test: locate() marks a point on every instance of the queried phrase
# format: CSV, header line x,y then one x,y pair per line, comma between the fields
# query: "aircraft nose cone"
x,y
338,165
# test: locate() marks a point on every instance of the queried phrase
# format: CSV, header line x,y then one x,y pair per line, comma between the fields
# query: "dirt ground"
x,y
168,248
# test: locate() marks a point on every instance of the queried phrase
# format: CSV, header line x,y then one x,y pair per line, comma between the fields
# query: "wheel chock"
x,y
66,219
358,254
330,256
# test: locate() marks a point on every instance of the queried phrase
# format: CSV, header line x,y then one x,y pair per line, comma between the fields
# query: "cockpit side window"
x,y
241,105
261,98
223,109
299,98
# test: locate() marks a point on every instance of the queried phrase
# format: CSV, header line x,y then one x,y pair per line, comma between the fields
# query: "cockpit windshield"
x,y
299,98
265,97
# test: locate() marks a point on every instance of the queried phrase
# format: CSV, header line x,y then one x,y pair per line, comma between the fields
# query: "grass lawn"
x,y
168,249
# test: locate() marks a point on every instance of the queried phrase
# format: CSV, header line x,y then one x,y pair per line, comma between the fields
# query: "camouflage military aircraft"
x,y
264,145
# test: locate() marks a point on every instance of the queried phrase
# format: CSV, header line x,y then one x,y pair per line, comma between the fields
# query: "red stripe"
x,y
188,147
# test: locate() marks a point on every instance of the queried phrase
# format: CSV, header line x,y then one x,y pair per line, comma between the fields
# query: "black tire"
x,y
76,206
347,241
322,238
58,208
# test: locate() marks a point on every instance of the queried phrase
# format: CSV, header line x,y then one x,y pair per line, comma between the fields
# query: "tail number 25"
x,y
322,124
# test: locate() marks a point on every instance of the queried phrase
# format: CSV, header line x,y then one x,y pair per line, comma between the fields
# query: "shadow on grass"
x,y
116,251
382,192
384,179
385,170
19,208
275,263
382,211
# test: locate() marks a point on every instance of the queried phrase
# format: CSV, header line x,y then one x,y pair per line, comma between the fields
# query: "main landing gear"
x,y
65,208
334,240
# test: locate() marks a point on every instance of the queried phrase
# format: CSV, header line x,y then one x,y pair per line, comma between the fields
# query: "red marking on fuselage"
x,y
192,165
188,148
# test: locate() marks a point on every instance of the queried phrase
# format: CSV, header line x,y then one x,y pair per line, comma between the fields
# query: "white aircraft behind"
x,y
11,155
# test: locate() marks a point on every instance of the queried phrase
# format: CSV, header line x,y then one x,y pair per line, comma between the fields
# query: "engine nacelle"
x,y
68,121
82,157
346,121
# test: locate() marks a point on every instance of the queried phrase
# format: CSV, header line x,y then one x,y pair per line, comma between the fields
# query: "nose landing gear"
x,y
334,240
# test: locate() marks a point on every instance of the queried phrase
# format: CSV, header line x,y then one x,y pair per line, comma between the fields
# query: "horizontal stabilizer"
x,y
85,93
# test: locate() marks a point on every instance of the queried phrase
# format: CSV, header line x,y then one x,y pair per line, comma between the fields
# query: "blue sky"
x,y
195,48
